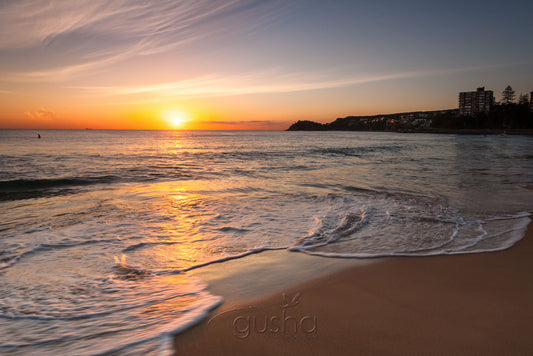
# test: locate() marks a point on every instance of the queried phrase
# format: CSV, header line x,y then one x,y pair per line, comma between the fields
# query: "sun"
x,y
176,118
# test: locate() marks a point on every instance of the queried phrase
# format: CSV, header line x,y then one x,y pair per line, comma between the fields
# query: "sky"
x,y
251,64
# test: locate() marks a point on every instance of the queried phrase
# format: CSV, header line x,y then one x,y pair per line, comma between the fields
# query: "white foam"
x,y
163,336
469,244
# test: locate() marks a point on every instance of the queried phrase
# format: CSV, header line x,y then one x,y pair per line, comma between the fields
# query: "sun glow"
x,y
177,118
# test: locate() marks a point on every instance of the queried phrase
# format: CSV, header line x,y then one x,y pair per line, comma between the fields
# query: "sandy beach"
x,y
460,304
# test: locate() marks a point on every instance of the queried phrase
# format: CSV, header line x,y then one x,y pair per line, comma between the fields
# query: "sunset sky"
x,y
208,64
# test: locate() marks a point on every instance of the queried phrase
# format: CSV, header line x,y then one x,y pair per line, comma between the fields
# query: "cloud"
x,y
33,22
244,122
262,82
64,72
84,35
41,115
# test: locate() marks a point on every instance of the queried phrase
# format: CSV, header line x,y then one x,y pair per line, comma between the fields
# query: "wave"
x,y
9,261
36,184
347,240
357,151
125,271
152,337
234,230
350,224
163,337
234,257
19,189
148,244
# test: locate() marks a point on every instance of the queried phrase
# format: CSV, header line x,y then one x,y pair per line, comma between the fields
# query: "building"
x,y
475,102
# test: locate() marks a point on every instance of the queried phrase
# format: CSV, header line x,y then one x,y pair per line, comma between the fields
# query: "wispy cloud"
x,y
244,122
271,81
99,33
67,71
32,22
41,114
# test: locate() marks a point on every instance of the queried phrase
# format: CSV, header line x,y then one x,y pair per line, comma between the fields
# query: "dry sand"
x,y
461,304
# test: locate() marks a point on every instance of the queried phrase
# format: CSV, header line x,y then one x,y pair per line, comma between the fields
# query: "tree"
x,y
523,99
508,95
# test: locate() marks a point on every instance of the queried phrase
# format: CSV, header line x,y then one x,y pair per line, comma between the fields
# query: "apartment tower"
x,y
475,102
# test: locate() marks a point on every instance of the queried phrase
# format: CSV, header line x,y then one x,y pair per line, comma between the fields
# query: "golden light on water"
x,y
187,243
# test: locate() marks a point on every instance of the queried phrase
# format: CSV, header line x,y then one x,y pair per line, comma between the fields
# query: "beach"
x,y
450,304
265,178
279,242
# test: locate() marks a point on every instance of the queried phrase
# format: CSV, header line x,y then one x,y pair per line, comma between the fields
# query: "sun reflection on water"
x,y
179,235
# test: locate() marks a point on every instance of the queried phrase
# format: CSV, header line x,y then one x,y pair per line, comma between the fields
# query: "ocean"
x,y
100,228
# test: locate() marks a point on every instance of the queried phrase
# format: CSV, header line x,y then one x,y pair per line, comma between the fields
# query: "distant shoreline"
x,y
527,132
465,131
512,119
474,131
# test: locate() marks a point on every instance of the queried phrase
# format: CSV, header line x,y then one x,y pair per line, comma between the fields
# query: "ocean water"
x,y
99,228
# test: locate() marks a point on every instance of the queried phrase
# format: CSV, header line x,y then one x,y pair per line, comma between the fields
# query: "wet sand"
x,y
460,304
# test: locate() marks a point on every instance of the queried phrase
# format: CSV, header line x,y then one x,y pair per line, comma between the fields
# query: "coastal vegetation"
x,y
508,114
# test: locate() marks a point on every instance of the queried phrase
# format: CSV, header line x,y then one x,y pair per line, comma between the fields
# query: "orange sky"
x,y
243,64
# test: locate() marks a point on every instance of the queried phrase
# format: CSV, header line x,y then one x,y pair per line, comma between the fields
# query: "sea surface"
x,y
99,228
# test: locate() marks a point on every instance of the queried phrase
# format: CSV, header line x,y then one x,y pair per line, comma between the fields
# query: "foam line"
x,y
196,313
234,257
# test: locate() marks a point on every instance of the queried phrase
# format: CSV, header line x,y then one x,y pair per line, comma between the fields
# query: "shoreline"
x,y
256,275
437,131
461,304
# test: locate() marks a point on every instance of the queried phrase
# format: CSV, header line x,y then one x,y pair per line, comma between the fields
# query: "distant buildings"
x,y
475,102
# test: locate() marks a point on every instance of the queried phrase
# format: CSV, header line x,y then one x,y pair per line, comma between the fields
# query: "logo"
x,y
289,321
